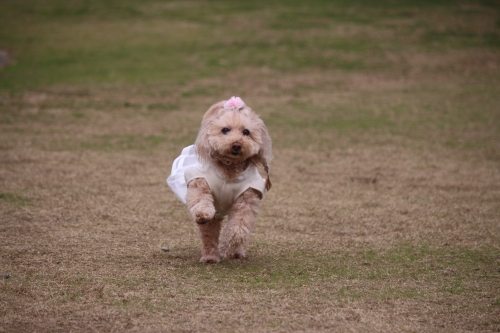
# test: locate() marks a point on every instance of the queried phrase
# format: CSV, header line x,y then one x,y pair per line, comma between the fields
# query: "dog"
x,y
231,143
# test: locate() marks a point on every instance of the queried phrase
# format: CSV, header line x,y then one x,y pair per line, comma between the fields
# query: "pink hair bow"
x,y
234,103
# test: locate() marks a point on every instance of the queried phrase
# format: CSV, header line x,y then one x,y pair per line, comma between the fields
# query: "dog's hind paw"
x,y
211,259
239,253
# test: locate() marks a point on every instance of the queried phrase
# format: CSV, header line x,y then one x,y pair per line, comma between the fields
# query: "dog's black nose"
x,y
235,148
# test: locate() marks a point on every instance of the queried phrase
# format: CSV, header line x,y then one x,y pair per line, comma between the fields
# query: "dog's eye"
x,y
225,130
246,132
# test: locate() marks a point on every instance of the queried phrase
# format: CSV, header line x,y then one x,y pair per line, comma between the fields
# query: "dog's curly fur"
x,y
230,141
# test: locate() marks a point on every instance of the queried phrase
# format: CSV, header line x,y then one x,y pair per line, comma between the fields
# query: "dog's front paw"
x,y
203,212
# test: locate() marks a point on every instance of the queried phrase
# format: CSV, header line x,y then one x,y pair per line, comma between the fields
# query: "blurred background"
x,y
285,58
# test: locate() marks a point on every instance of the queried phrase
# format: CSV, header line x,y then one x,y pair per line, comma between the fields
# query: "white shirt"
x,y
226,192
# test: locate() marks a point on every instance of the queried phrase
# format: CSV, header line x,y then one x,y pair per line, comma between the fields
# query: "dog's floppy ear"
x,y
266,152
201,144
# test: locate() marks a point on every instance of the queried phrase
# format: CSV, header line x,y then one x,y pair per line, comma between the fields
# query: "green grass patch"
x,y
92,42
405,272
14,199
366,274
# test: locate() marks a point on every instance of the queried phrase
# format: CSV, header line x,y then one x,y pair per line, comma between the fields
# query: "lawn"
x,y
384,214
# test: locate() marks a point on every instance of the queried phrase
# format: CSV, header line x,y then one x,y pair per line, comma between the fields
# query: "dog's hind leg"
x,y
209,233
200,201
241,221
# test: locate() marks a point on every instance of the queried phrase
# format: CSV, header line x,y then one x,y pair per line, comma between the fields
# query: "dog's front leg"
x,y
200,202
209,233
241,221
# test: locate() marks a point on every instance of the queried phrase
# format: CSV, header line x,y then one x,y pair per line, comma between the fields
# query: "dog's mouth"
x,y
227,158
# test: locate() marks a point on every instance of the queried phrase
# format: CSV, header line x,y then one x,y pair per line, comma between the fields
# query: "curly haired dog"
x,y
231,143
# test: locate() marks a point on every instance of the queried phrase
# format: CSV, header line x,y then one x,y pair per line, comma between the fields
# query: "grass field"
x,y
384,214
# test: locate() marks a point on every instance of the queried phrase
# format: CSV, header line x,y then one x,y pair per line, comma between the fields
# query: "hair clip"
x,y
234,103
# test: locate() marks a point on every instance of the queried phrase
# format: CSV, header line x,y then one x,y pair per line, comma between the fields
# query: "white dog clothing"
x,y
226,192
176,180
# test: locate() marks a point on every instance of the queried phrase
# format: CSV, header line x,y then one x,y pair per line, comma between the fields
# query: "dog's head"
x,y
232,133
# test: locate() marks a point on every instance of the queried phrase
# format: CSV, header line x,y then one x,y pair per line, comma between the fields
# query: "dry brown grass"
x,y
379,232
384,214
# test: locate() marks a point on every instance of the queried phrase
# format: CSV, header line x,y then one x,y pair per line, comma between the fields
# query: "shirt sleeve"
x,y
259,185
193,173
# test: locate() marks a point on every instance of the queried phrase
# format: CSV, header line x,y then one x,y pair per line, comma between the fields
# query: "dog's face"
x,y
233,136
